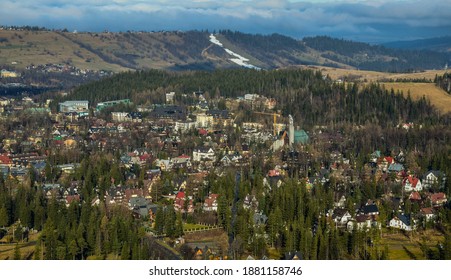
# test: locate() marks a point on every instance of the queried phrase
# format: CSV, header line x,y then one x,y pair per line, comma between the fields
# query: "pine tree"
x,y
17,254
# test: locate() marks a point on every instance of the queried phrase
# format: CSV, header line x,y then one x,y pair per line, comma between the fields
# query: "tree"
x,y
125,252
17,255
3,217
159,220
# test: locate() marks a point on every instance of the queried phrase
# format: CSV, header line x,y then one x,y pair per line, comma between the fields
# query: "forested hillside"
x,y
305,94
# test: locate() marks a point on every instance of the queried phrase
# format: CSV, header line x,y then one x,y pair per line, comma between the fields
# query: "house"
x,y
428,213
395,168
250,201
341,203
370,209
411,183
260,219
402,221
438,199
225,161
182,161
341,217
164,164
5,160
273,173
183,203
77,106
361,222
72,198
203,154
211,203
434,177
415,196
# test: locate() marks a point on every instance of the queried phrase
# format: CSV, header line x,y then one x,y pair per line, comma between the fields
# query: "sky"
x,y
372,21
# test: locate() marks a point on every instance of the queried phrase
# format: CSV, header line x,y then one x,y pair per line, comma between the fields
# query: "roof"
x,y
361,218
339,212
389,159
415,196
372,208
405,219
412,180
397,167
436,173
427,211
5,159
180,195
438,196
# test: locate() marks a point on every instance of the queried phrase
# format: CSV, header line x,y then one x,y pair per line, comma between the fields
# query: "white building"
x,y
78,106
203,154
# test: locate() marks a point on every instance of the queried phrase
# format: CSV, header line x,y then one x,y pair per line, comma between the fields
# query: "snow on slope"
x,y
238,59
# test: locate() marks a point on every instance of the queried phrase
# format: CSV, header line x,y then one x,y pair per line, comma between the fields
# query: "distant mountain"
x,y
439,44
199,50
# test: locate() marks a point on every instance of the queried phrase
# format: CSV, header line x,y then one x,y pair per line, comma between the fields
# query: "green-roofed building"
x,y
301,137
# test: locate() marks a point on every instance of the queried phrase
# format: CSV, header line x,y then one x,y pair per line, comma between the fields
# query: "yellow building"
x,y
9,74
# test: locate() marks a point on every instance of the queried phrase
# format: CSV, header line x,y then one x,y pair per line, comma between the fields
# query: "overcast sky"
x,y
369,21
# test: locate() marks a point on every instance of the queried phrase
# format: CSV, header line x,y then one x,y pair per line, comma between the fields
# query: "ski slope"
x,y
237,59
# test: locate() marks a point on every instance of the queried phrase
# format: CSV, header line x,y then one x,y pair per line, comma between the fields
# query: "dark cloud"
x,y
371,21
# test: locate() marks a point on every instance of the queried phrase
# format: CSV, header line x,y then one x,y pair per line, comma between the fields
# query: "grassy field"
x,y
408,247
26,47
436,95
374,76
26,249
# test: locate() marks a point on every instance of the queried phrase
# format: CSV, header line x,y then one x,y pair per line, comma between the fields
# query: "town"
x,y
197,172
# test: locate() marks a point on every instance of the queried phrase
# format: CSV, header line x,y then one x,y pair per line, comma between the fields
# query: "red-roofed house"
x,y
273,173
428,213
180,203
71,198
211,203
415,196
438,199
5,160
411,183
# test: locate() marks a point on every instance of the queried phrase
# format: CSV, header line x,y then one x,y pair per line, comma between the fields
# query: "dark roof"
x,y
169,112
339,212
218,113
372,208
405,219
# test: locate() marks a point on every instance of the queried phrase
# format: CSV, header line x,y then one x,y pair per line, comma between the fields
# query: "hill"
x,y
440,44
194,50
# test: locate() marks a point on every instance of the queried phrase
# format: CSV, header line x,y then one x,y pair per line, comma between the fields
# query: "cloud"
x,y
377,20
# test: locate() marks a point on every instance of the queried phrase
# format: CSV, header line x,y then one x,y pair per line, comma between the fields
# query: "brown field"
x,y
438,97
374,76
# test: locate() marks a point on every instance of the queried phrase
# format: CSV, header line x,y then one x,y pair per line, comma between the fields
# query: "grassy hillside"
x,y
192,50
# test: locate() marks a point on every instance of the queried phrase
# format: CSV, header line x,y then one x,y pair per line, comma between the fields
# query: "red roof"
x,y
415,196
427,211
273,173
180,195
184,156
71,198
389,160
145,157
5,159
203,131
438,197
412,180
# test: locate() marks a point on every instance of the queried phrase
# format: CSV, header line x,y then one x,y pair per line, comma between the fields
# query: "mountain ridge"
x,y
193,50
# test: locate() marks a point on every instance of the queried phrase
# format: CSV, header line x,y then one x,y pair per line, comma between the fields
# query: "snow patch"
x,y
238,59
